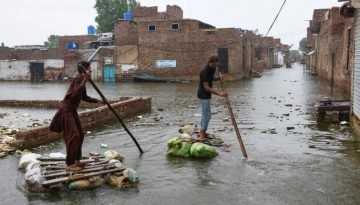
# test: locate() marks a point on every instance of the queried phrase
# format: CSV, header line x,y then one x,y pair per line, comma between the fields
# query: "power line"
x,y
275,18
295,32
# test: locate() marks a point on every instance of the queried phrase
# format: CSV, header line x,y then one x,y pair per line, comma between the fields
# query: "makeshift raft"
x,y
44,173
188,145
210,139
54,172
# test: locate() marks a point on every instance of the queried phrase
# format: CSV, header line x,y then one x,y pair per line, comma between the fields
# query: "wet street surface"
x,y
293,157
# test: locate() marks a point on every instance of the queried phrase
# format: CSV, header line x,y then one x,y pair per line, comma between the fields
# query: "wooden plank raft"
x,y
211,140
86,170
79,176
53,169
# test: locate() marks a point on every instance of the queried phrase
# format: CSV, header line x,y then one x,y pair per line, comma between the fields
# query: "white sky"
x,y
30,22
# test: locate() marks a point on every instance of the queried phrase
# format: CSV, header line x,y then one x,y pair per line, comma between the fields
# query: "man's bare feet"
x,y
74,168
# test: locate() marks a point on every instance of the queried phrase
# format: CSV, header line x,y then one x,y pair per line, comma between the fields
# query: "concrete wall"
x,y
20,70
14,70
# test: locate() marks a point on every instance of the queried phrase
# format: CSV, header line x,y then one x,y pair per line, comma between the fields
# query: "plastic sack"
x,y
118,181
190,129
85,184
131,175
57,155
201,150
112,154
34,180
117,163
32,165
178,148
26,159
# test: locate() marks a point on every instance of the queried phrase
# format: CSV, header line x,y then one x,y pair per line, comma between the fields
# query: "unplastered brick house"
x,y
166,44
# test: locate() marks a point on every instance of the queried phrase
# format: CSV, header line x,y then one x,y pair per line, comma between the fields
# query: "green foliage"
x,y
52,42
110,10
302,45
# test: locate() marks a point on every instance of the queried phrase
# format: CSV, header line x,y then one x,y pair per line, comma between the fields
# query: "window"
x,y
174,26
152,28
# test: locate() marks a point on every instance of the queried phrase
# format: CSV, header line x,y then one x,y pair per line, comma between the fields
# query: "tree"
x,y
52,42
110,10
302,45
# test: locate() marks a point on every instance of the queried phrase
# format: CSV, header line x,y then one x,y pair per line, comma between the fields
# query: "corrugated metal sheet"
x,y
356,83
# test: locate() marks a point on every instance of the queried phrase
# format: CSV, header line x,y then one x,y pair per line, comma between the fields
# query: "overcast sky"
x,y
30,22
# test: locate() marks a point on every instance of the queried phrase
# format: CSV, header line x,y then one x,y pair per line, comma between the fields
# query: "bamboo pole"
x,y
113,111
227,101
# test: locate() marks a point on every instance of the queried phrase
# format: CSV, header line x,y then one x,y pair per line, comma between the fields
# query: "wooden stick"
x,y
233,119
67,173
56,169
112,110
78,177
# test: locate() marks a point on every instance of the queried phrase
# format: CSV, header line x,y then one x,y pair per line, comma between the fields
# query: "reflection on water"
x,y
313,163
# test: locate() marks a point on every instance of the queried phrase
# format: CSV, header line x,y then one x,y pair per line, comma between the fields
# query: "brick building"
x,y
331,37
165,44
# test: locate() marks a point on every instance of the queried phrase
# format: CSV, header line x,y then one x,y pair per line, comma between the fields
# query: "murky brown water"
x,y
316,163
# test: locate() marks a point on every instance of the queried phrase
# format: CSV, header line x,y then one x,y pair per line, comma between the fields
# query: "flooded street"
x,y
314,163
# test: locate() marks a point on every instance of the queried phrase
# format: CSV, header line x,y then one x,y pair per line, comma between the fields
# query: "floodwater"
x,y
315,163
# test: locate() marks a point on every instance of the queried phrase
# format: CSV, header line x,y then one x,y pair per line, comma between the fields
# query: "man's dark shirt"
x,y
206,75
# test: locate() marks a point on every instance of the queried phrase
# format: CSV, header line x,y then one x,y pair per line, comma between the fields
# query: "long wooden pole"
x,y
114,112
233,119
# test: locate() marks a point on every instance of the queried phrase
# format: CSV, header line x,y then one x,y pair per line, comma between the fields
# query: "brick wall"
x,y
142,14
89,119
29,54
126,33
189,46
82,40
334,52
174,12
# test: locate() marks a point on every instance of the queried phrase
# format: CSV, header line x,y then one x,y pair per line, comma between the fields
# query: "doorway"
x,y
223,54
36,72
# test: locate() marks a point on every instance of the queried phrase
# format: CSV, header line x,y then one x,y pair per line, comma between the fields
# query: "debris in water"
x,y
290,128
139,117
103,145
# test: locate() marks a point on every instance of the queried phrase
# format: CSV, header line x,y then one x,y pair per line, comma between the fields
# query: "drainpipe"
x,y
97,51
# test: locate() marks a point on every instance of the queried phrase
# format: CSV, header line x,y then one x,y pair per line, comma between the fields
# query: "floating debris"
x,y
103,145
139,117
272,130
290,128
